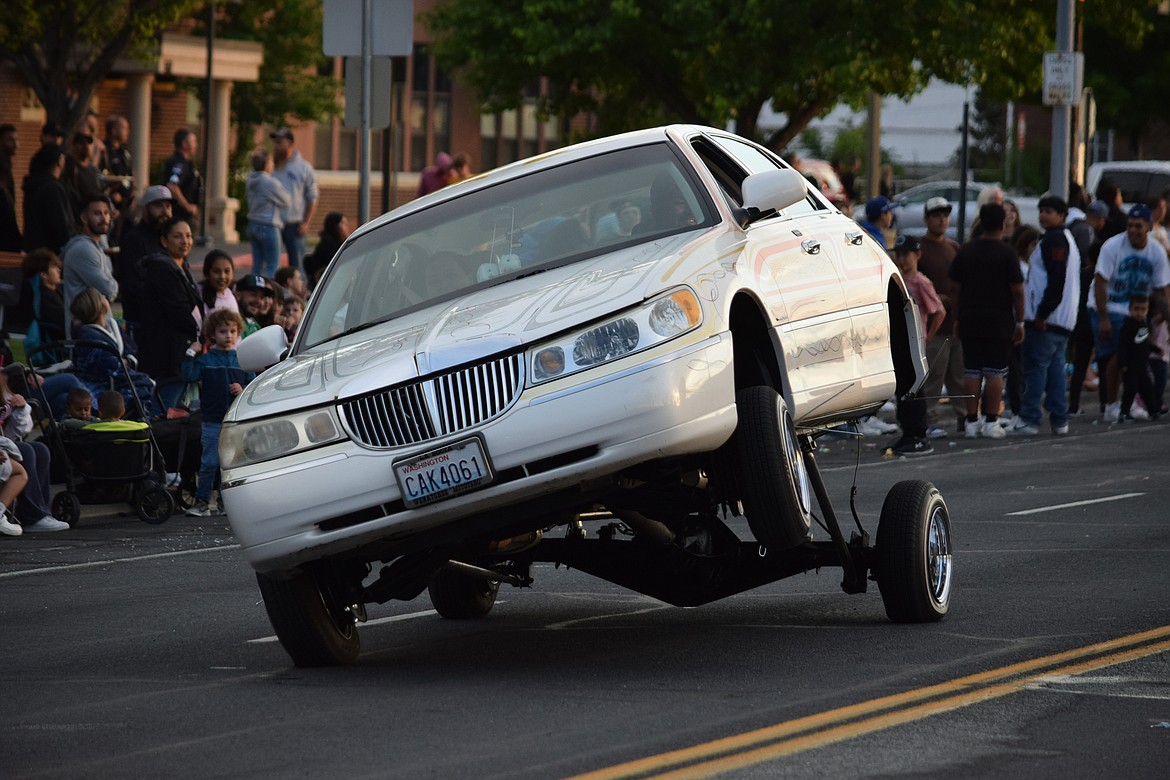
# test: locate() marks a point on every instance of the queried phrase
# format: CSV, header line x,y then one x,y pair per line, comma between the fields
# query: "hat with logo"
x,y
875,207
1140,211
937,203
255,282
154,194
906,244
283,132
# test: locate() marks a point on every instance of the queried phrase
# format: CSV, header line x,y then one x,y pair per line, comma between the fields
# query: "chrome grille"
x,y
430,408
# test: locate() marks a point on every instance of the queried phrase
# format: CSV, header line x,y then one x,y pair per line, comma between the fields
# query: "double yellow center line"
x,y
825,728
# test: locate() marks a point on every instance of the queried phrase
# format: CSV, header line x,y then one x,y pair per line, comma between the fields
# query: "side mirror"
x,y
264,348
773,190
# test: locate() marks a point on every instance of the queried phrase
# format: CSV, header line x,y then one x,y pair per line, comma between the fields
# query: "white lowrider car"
x,y
594,357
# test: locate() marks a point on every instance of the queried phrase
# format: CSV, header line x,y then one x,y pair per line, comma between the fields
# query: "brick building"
x,y
433,113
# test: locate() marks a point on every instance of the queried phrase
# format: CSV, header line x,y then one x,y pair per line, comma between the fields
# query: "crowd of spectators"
x,y
1022,319
114,265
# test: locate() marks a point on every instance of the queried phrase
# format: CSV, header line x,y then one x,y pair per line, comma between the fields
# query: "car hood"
x,y
485,322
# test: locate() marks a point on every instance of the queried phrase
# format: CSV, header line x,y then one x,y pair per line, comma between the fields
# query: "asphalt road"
x,y
137,650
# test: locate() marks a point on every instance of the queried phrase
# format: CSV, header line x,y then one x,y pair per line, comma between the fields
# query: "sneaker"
x,y
1024,429
47,523
913,447
1076,412
935,432
1112,412
971,428
901,441
993,430
889,407
199,509
1060,430
9,528
1138,413
1007,422
872,426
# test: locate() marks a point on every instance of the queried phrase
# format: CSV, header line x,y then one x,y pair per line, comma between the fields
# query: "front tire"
x,y
914,571
459,596
770,469
313,625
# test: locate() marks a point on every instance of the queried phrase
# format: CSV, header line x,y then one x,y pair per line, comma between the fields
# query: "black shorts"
x,y
986,357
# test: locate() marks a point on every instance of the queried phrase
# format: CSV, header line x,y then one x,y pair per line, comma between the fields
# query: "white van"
x,y
1139,180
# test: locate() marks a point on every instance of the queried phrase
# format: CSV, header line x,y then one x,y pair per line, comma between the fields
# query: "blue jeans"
x,y
209,461
293,244
1043,356
33,502
265,248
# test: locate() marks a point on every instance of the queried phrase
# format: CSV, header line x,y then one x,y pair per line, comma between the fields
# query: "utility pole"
x,y
874,143
1062,88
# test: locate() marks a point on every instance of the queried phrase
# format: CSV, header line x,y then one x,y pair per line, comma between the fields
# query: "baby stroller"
x,y
178,440
104,460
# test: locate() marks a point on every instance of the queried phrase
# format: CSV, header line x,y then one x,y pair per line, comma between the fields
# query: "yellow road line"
x,y
780,739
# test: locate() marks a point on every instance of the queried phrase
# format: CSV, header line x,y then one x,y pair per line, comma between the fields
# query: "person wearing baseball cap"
x,y
944,353
298,177
250,293
935,205
138,241
879,216
1128,264
912,408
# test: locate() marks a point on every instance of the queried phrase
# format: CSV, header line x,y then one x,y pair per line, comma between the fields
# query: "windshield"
x,y
535,222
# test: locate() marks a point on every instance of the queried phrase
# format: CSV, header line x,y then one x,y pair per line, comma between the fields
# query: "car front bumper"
x,y
342,497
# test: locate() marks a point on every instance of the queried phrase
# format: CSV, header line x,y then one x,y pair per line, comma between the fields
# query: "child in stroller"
x,y
106,457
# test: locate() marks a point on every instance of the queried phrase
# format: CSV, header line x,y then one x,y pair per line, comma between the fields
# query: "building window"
x,y
515,134
429,115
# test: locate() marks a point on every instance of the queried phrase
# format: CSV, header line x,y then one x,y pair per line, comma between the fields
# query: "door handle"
x,y
811,246
853,238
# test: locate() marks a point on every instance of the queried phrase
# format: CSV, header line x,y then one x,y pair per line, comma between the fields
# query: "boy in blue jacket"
x,y
220,380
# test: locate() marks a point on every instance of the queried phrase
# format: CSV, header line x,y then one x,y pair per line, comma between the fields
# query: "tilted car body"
x,y
506,357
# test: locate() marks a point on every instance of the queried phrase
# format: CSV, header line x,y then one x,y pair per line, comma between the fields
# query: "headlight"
x,y
648,325
241,444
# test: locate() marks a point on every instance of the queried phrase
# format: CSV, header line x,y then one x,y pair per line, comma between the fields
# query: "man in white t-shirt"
x,y
1129,264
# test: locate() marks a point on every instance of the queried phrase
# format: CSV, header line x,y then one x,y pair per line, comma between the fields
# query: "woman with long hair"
x,y
171,310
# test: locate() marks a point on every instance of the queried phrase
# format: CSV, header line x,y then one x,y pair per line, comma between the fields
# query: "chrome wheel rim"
x,y
938,557
800,478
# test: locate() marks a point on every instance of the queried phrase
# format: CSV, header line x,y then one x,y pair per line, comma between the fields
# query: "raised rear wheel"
x,y
769,469
311,620
914,565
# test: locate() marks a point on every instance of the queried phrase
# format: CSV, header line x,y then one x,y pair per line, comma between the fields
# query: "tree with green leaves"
x,y
642,62
1126,66
296,82
64,48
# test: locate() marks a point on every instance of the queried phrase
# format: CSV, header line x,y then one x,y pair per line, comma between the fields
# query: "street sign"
x,y
1063,75
379,92
392,26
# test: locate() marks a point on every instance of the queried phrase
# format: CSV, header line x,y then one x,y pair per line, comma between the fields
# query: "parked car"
x,y
1138,180
479,383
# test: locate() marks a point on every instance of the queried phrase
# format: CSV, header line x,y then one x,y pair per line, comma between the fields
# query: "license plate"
x,y
443,473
